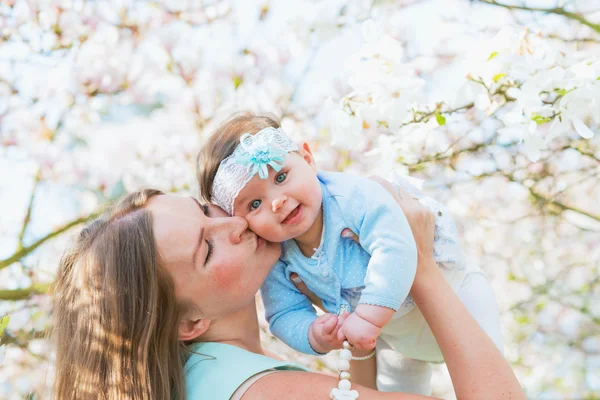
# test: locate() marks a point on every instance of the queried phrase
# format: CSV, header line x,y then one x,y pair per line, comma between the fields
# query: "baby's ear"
x,y
307,155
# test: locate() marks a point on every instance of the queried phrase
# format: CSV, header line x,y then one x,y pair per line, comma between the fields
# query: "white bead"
x,y
344,384
346,354
345,375
347,345
343,365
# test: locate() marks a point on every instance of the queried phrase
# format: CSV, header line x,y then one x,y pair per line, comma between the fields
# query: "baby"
x,y
251,168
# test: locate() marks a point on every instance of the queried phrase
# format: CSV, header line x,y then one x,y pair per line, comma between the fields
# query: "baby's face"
x,y
286,204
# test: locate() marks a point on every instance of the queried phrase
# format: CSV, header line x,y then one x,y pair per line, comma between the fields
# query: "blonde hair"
x,y
115,313
222,142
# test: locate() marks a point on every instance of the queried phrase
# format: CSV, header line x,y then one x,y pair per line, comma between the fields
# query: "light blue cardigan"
x,y
379,271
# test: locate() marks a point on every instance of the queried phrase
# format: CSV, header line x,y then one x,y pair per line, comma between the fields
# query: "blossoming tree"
x,y
493,103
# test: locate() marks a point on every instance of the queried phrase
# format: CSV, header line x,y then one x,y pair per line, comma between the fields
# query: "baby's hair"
x,y
223,141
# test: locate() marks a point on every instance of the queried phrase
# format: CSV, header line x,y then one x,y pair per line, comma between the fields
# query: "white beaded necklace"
x,y
343,391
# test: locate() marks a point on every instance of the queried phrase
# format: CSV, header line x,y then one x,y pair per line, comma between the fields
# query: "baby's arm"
x,y
292,317
385,234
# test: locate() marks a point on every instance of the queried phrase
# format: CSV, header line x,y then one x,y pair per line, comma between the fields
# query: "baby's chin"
x,y
278,237
282,235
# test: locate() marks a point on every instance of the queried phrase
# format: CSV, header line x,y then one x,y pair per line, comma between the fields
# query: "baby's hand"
x,y
323,333
359,332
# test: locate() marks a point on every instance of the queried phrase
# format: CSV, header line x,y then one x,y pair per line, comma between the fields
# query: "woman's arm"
x,y
291,385
476,367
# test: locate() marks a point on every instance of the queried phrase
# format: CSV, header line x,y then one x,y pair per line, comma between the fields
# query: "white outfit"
x,y
398,373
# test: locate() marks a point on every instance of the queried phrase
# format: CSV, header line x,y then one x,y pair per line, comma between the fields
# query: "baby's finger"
x,y
349,234
342,318
341,335
330,324
320,321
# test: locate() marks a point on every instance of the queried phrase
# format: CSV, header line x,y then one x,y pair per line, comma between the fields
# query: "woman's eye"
x,y
208,252
255,204
281,177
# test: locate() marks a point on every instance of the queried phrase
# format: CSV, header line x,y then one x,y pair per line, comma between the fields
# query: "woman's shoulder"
x,y
216,370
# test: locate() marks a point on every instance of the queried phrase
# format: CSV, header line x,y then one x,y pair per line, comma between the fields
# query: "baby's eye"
x,y
281,177
255,204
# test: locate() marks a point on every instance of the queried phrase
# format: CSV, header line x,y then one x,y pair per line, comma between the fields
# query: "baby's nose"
x,y
278,203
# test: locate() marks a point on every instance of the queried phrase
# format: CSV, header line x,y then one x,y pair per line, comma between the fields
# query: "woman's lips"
x,y
294,216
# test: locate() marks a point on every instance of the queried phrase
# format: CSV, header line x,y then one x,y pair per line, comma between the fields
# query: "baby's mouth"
x,y
292,216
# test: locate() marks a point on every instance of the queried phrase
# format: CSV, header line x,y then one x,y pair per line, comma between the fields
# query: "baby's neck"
x,y
311,239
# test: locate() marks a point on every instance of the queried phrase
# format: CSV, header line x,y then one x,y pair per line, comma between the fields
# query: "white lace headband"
x,y
254,154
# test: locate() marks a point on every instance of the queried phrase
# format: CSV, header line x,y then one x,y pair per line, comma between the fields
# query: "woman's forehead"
x,y
174,215
176,223
169,205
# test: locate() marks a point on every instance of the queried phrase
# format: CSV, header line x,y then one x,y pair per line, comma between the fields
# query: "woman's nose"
x,y
278,203
234,227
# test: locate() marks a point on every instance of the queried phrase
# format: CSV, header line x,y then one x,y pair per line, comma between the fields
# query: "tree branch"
x,y
22,339
24,294
22,252
444,155
27,218
573,40
557,11
562,206
550,201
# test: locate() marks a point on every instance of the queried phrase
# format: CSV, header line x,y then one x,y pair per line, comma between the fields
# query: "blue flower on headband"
x,y
258,152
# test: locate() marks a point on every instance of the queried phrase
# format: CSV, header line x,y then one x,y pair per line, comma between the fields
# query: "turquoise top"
x,y
215,370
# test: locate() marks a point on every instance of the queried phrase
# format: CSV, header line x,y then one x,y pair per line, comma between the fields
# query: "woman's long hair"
x,y
115,313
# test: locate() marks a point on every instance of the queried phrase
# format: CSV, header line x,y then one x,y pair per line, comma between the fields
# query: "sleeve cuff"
x,y
379,301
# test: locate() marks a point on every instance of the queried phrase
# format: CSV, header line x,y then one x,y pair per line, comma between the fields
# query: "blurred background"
x,y
493,103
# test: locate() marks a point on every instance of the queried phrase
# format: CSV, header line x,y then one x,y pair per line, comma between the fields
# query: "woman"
x,y
159,271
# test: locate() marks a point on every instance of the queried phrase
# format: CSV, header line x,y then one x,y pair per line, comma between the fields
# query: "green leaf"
x,y
237,81
494,54
441,120
522,319
3,323
497,77
561,92
539,119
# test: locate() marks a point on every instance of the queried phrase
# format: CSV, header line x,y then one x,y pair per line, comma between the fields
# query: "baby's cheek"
x,y
262,228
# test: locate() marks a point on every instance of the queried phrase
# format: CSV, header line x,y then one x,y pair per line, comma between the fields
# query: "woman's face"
x,y
216,263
